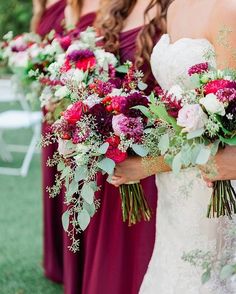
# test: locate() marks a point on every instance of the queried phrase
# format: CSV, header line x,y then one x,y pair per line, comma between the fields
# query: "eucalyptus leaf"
x,y
194,81
66,172
177,163
195,134
206,277
83,219
203,155
227,271
122,68
215,147
164,143
142,86
61,166
81,173
65,220
87,193
72,189
90,208
140,150
103,148
107,165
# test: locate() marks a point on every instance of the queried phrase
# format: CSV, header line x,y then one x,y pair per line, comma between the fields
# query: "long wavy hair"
x,y
113,23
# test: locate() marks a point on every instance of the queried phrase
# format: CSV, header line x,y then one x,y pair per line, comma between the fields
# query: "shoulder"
x,y
224,15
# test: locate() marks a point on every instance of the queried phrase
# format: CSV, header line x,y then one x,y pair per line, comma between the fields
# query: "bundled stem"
x,y
134,204
223,200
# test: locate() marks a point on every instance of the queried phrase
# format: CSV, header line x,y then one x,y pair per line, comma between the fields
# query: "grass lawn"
x,y
21,229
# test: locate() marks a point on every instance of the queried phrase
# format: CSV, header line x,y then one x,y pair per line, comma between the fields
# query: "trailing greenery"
x,y
15,16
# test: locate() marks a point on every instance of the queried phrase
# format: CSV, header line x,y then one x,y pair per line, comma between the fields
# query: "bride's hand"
x,y
130,170
224,165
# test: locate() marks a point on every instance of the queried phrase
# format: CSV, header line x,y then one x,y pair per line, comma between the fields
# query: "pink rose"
x,y
191,118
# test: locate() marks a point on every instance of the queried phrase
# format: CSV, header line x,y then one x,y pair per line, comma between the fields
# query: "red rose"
x,y
86,63
214,86
75,112
113,151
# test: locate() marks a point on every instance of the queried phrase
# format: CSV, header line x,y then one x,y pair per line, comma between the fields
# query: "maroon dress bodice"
x,y
52,19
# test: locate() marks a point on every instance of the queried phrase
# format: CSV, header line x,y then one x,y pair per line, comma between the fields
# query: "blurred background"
x,y
20,197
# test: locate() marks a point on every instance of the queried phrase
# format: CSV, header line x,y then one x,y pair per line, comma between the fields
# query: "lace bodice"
x,y
170,62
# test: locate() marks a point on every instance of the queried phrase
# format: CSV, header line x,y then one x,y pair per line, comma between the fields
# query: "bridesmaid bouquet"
x,y
99,129
191,124
16,52
73,63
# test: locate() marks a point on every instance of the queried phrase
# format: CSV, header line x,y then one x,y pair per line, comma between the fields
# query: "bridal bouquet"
x,y
191,124
99,129
69,70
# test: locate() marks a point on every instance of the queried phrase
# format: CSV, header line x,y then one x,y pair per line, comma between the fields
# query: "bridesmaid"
x,y
83,13
49,15
115,257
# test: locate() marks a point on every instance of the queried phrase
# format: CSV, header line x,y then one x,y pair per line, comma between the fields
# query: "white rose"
x,y
62,92
212,104
191,117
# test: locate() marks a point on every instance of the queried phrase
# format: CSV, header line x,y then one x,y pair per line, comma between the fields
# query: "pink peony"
x,y
191,117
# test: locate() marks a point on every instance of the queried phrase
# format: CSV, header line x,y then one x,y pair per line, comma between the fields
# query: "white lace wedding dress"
x,y
182,225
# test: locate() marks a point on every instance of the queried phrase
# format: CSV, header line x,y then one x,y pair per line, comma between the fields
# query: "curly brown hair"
x,y
113,22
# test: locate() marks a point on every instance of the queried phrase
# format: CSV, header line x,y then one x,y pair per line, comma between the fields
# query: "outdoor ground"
x,y
21,229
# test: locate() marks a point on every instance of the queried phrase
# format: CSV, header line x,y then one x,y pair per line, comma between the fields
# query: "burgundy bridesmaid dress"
x,y
52,207
113,257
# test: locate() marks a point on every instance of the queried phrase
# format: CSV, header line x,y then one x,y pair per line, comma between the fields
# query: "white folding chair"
x,y
17,120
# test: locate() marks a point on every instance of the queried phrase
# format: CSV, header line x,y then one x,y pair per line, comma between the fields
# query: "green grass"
x,y
21,229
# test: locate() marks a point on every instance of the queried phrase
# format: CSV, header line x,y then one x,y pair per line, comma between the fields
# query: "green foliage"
x,y
15,16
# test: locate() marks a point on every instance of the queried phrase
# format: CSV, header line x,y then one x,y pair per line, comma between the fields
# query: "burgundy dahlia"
x,y
77,55
103,119
132,100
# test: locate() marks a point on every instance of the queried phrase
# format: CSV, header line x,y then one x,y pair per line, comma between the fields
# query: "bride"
x,y
195,29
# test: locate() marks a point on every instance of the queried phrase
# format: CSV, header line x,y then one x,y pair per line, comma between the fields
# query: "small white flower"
x,y
212,104
105,58
62,92
92,100
177,92
78,75
230,116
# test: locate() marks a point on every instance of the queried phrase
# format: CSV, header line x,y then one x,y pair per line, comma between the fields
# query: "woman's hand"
x,y
130,170
224,164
